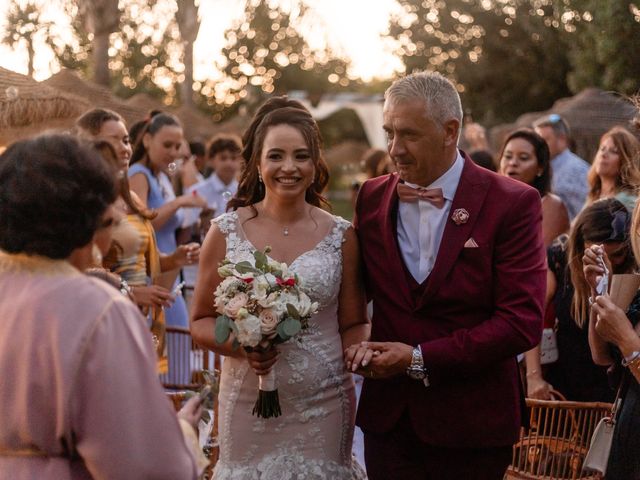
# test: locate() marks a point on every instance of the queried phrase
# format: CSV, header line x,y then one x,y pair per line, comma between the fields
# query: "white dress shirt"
x,y
215,192
421,224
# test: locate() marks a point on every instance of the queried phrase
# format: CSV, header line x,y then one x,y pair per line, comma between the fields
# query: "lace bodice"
x,y
312,438
320,268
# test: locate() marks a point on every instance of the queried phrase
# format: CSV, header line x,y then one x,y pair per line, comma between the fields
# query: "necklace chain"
x,y
285,228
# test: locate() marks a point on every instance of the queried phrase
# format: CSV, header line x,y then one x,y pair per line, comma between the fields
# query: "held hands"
x,y
378,359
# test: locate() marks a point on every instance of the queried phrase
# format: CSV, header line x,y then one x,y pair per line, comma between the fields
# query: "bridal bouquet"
x,y
263,305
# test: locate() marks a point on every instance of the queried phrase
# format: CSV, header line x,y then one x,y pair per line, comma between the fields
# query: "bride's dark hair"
x,y
279,111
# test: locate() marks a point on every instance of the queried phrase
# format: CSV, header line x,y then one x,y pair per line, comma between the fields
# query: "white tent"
x,y
367,107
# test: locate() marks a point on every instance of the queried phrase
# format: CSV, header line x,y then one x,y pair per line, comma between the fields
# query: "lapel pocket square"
x,y
471,243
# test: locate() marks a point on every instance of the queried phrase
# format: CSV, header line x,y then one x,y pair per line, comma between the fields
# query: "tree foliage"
x,y
266,50
23,23
143,50
507,57
604,42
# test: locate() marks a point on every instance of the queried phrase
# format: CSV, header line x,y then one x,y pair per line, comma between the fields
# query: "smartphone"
x,y
602,288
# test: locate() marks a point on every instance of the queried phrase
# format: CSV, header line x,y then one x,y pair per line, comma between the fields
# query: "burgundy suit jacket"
x,y
480,308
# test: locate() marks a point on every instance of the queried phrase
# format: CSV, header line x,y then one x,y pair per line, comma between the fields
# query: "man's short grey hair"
x,y
558,124
440,95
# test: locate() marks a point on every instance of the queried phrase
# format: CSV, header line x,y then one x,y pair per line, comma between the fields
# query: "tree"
x,y
101,18
144,51
506,57
602,54
23,23
266,50
189,25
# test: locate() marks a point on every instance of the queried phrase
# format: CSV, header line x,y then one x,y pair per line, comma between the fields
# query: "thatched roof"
x,y
146,102
27,107
96,95
196,125
590,113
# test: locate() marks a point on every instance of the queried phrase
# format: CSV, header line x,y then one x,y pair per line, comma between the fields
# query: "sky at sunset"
x,y
352,27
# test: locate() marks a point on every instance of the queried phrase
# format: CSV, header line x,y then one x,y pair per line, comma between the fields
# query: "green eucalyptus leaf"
x,y
261,260
291,326
223,329
281,332
246,267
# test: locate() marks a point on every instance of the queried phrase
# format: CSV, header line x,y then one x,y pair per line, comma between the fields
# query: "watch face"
x,y
416,373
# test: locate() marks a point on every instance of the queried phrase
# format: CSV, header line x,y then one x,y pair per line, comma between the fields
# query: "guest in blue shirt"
x,y
569,179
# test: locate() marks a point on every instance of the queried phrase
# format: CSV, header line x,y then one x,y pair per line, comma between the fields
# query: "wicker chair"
x,y
557,442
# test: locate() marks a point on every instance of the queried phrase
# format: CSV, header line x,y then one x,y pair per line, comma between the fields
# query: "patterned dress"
x,y
312,438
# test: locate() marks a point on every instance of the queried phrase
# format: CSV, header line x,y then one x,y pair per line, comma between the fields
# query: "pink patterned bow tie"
x,y
411,195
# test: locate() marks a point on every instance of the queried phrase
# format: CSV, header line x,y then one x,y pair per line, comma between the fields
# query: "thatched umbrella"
x,y
97,95
146,102
27,107
590,113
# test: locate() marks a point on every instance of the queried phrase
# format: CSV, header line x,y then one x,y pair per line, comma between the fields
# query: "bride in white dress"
x,y
277,205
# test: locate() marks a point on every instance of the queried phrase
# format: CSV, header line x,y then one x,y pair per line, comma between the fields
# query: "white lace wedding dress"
x,y
313,436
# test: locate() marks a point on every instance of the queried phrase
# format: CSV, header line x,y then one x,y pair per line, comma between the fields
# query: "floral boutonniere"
x,y
460,216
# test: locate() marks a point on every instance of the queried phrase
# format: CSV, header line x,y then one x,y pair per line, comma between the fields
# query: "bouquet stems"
x,y
268,403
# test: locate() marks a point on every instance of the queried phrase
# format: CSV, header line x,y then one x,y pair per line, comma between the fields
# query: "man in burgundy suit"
x,y
456,273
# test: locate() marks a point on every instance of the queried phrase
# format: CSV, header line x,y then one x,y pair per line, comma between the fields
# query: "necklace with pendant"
x,y
285,231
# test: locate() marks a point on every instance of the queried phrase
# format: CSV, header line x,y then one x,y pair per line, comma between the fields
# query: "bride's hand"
x,y
262,361
358,356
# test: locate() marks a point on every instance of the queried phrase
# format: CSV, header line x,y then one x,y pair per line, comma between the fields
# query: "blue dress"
x,y
161,192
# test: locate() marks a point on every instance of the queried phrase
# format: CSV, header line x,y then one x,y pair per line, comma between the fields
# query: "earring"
x,y
259,177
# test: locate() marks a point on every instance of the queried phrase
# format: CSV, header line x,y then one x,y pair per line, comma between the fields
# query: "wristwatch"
x,y
416,370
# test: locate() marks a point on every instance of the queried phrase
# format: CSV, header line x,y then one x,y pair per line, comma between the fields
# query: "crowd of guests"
x,y
136,204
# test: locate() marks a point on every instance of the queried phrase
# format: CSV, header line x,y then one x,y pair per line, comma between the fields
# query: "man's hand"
x,y
393,359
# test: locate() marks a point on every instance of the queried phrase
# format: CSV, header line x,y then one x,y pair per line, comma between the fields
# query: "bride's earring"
x,y
259,177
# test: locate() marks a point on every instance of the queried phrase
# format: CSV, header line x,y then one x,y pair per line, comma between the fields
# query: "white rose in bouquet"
x,y
260,287
268,321
270,300
249,332
305,306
